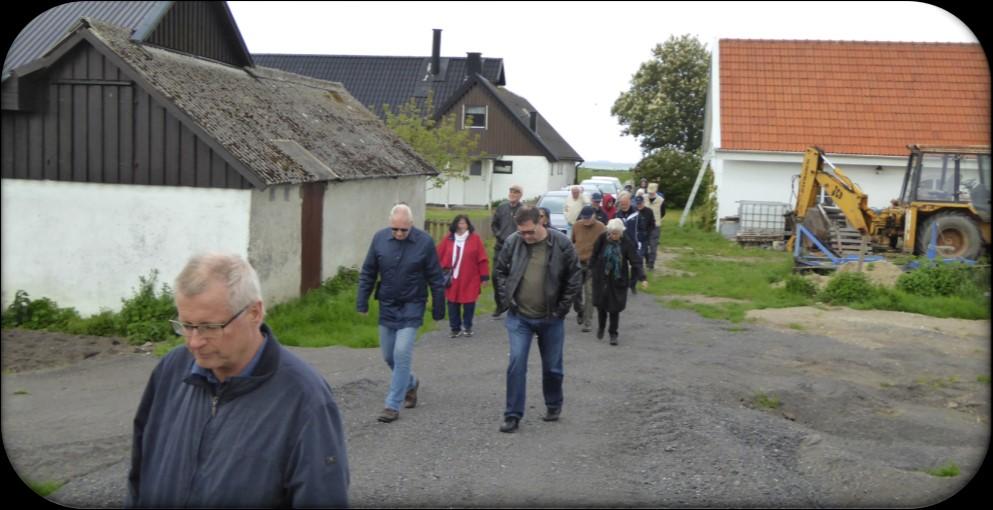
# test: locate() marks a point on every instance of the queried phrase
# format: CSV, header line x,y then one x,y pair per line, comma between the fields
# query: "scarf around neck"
x,y
457,252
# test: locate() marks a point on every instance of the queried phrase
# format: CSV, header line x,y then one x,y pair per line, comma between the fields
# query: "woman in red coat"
x,y
463,256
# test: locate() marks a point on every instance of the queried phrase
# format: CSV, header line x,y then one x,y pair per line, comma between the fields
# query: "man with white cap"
x,y
655,201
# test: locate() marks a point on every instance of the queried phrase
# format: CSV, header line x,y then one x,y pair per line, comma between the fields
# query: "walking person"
x,y
646,222
404,260
466,268
573,204
598,212
232,419
545,217
538,279
584,235
656,202
609,206
502,225
629,214
615,263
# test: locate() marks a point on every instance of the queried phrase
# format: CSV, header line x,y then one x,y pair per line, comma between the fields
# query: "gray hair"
x,y
402,209
615,225
623,195
228,269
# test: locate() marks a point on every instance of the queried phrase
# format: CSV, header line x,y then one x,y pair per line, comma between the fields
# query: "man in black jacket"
x,y
502,226
538,277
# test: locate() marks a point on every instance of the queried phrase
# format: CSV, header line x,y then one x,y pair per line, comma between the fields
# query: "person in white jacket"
x,y
574,204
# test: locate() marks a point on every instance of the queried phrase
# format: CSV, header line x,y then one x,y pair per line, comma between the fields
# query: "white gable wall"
x,y
355,210
770,177
84,245
534,173
274,250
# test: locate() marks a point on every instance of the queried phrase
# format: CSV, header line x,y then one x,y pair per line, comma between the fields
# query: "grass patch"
x,y
985,379
45,488
21,392
766,401
948,470
796,326
937,382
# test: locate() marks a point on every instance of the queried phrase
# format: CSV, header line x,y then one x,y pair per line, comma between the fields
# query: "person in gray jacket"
x,y
232,418
539,277
503,225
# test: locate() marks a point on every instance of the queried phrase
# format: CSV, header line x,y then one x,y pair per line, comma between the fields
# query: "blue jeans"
x,y
460,315
398,352
551,337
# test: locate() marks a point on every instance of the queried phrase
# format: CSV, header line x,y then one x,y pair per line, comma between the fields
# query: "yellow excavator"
x,y
944,205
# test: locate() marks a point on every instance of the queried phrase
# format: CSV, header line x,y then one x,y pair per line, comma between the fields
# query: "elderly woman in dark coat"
x,y
615,265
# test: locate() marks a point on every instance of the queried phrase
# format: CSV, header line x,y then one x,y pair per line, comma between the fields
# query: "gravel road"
x,y
667,418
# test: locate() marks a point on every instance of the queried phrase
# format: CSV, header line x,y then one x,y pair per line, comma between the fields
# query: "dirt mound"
x,y
883,273
25,350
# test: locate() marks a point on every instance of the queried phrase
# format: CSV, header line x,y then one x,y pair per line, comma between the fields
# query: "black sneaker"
x,y
455,333
579,318
552,414
586,329
599,334
613,339
509,424
467,333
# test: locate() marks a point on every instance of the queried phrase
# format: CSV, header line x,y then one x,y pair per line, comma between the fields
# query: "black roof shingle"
x,y
376,80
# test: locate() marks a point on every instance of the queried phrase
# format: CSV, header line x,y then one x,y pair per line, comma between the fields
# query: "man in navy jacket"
x,y
406,263
232,419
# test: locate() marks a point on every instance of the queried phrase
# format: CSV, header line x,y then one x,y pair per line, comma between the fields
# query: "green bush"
x,y
346,279
800,286
40,313
846,288
101,324
944,280
144,317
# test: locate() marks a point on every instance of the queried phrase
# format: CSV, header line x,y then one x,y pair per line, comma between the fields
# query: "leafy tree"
x,y
664,108
449,149
675,171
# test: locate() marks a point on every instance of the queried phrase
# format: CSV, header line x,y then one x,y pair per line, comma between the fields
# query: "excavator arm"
x,y
845,193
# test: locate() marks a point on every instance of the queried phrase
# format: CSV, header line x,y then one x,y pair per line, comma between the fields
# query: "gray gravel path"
x,y
664,419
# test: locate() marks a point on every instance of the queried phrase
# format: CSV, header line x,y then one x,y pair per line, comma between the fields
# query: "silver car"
x,y
554,201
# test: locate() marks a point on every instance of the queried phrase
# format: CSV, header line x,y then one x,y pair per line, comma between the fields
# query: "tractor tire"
x,y
954,229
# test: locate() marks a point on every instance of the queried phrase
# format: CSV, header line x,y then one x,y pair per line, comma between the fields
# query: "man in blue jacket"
x,y
406,263
232,419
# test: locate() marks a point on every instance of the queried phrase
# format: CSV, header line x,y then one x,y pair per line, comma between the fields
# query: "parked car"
x,y
588,189
617,182
604,186
555,202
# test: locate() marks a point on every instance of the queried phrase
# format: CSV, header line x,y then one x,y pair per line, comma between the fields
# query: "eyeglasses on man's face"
x,y
205,330
398,229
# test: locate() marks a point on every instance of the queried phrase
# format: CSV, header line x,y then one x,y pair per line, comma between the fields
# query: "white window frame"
x,y
486,117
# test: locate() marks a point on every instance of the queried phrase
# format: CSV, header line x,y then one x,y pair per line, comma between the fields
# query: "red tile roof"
x,y
852,97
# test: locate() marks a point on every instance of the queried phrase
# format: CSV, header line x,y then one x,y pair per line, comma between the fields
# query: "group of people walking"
x,y
190,446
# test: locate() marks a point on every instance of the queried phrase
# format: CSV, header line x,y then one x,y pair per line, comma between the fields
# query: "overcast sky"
x,y
571,60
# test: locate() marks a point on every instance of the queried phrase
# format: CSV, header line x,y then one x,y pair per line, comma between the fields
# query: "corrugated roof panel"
x,y
48,27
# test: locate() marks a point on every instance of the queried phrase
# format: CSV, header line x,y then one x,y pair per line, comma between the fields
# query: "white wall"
x,y
355,210
531,172
772,179
274,249
85,245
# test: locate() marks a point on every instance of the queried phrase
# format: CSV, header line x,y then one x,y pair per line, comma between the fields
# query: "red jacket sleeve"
x,y
482,260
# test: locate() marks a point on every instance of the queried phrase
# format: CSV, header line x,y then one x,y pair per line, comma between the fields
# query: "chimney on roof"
x,y
473,63
533,121
436,52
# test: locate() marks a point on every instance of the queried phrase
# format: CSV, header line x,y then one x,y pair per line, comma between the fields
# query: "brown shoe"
x,y
410,400
389,415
